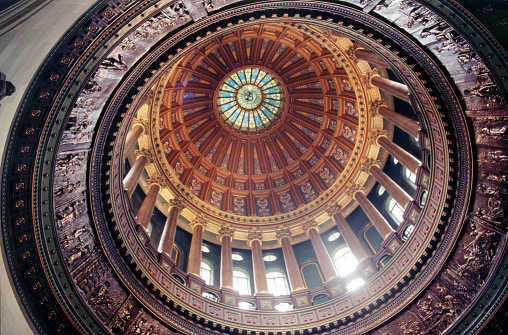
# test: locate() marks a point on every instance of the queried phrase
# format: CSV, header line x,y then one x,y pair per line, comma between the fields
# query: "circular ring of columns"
x,y
257,241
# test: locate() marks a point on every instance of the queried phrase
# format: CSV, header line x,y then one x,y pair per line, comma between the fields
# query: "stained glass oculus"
x,y
250,100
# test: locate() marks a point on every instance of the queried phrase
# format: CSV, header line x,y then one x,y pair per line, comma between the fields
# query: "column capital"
x,y
141,122
368,163
374,134
309,225
177,202
158,180
254,236
198,221
333,209
145,153
282,233
225,231
371,74
352,189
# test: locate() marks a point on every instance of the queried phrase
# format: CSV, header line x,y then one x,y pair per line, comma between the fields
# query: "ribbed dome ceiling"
x,y
286,164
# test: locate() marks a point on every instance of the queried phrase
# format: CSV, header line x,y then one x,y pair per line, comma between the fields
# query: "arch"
x,y
241,282
320,299
312,275
395,210
409,176
277,283
178,278
246,305
407,232
344,261
383,261
284,307
372,238
206,272
211,296
423,198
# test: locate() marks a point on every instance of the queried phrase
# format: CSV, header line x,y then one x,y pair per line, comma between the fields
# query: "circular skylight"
x,y
237,257
334,236
270,258
250,100
205,249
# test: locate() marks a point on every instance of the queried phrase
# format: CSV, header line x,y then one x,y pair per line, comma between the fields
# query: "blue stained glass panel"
x,y
249,100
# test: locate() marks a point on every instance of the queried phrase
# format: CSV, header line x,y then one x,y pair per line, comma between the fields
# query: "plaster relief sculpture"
x,y
69,213
69,163
77,253
107,298
67,188
76,236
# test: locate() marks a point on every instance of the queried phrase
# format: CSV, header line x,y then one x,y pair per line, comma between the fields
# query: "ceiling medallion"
x,y
250,100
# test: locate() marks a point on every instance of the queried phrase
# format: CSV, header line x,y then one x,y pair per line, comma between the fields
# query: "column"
x,y
324,260
258,264
131,179
292,268
391,187
376,218
194,263
391,87
132,138
146,210
408,125
168,234
349,236
404,157
226,269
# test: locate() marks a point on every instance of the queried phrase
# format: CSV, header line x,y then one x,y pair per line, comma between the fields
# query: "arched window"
x,y
396,210
149,229
178,278
344,261
355,284
385,260
206,273
407,232
410,175
175,253
245,305
423,198
210,296
320,299
277,283
372,238
284,307
241,282
312,275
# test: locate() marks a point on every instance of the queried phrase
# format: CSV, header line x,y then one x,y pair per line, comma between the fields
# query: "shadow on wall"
x,y
6,87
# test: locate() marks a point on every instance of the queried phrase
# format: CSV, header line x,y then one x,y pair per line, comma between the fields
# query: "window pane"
x,y
246,306
410,175
396,210
355,284
241,282
312,276
277,284
284,307
206,273
345,262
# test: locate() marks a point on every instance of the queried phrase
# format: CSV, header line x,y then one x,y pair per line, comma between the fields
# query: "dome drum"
x,y
335,288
